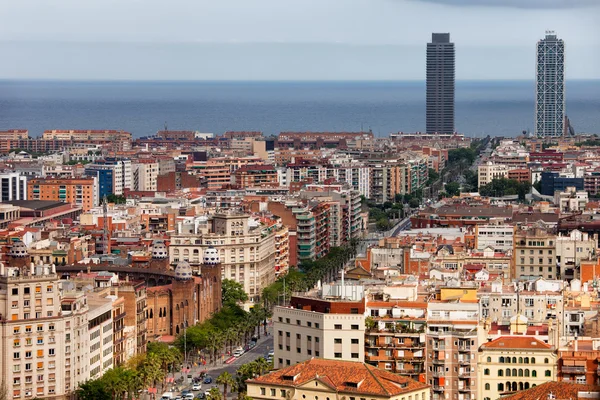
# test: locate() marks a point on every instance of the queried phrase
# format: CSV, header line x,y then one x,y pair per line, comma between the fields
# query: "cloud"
x,y
535,4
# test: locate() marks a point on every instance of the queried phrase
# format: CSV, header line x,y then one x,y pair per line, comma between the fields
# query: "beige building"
x,y
100,330
144,175
535,254
497,236
571,249
514,363
313,327
336,380
489,171
571,200
247,250
44,347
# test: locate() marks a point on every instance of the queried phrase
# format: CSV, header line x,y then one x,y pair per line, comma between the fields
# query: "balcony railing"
x,y
573,370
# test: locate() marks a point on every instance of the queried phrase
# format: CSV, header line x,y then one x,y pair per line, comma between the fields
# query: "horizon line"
x,y
299,80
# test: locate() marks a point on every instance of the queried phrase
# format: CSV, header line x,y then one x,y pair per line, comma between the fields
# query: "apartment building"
x,y
44,345
114,175
86,135
100,331
571,200
497,236
535,254
510,364
571,249
578,361
395,336
453,337
14,134
81,192
312,327
13,186
332,379
256,175
212,174
144,175
489,171
247,252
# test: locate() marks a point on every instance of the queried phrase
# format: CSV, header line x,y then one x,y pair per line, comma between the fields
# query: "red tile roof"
x,y
559,391
516,342
344,377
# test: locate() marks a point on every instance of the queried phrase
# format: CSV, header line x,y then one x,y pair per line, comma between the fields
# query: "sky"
x,y
288,39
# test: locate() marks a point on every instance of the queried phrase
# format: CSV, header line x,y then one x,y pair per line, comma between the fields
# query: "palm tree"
x,y
214,345
227,380
230,336
214,394
262,366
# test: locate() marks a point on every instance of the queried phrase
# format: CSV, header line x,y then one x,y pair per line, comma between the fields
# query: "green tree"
x,y
214,394
89,390
233,292
433,176
452,188
370,323
227,380
383,224
414,203
116,199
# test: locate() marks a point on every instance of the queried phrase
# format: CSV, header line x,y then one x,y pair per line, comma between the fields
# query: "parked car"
x,y
238,352
188,396
201,396
208,379
196,386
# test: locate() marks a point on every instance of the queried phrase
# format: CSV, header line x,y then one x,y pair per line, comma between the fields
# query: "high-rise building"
x,y
440,84
13,186
550,86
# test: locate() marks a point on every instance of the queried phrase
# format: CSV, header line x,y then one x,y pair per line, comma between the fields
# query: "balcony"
x,y
573,370
464,389
438,388
438,362
438,374
464,348
377,358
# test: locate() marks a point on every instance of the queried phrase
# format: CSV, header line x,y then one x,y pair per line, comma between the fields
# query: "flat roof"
x,y
37,205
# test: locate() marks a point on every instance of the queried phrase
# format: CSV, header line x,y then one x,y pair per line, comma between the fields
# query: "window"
x,y
16,355
309,324
489,359
337,355
501,387
354,311
354,355
263,391
337,341
548,373
337,326
273,392
534,373
500,372
297,322
15,291
487,386
354,341
282,393
486,371
317,325
354,327
546,362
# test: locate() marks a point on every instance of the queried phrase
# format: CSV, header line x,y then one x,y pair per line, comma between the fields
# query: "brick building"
x,y
80,192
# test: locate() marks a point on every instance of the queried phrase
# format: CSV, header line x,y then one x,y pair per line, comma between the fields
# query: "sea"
x,y
496,108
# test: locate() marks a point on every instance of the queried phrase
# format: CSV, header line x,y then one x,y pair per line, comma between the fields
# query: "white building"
x,y
13,186
497,236
571,200
100,330
144,176
489,171
316,329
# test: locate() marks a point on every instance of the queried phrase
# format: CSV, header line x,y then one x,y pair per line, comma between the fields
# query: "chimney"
x,y
89,269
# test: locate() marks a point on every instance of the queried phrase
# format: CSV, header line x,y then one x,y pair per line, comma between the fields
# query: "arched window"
x,y
514,372
489,359
486,371
501,359
487,386
164,311
182,304
526,385
160,313
500,372
546,361
507,360
514,386
526,360
514,360
196,252
177,307
534,373
533,385
151,313
548,373
186,252
526,373
186,303
501,387
177,330
507,372
521,387
533,360
176,252
520,360
520,372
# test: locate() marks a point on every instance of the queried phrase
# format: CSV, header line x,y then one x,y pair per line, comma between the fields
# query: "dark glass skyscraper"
x,y
440,84
550,86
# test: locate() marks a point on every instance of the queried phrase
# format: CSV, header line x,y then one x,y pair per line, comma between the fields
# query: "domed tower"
x,y
160,256
183,298
18,256
210,270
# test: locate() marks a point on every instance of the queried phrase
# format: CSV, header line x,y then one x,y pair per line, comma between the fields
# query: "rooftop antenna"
x,y
166,129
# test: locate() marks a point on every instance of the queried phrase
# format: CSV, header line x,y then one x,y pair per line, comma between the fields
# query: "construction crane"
x,y
105,225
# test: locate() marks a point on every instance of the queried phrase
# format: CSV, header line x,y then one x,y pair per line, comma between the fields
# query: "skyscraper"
x,y
550,86
440,84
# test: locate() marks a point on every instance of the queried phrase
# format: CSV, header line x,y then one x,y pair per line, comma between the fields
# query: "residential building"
x,y
100,330
578,361
81,192
144,174
571,249
312,327
510,364
13,186
497,236
535,254
335,379
571,200
86,135
212,174
114,175
550,87
522,175
453,337
440,84
45,343
255,175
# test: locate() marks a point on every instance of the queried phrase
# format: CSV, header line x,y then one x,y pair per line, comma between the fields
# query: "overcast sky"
x,y
288,39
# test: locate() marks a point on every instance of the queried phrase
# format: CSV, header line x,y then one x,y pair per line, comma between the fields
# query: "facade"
x,y
255,176
81,192
440,84
497,236
13,186
333,379
489,171
144,174
535,254
510,364
100,330
571,200
44,342
86,135
550,87
312,327
571,249
114,175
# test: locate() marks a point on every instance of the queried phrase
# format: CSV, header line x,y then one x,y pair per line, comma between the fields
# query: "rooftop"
x,y
516,342
37,205
557,391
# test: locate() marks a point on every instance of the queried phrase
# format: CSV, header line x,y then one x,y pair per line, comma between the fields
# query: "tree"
x,y
116,199
383,224
414,203
90,390
214,394
370,323
227,380
433,176
452,188
233,292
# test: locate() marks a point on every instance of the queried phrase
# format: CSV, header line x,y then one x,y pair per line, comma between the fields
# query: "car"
x,y
271,353
238,352
196,386
177,398
208,379
188,396
201,396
